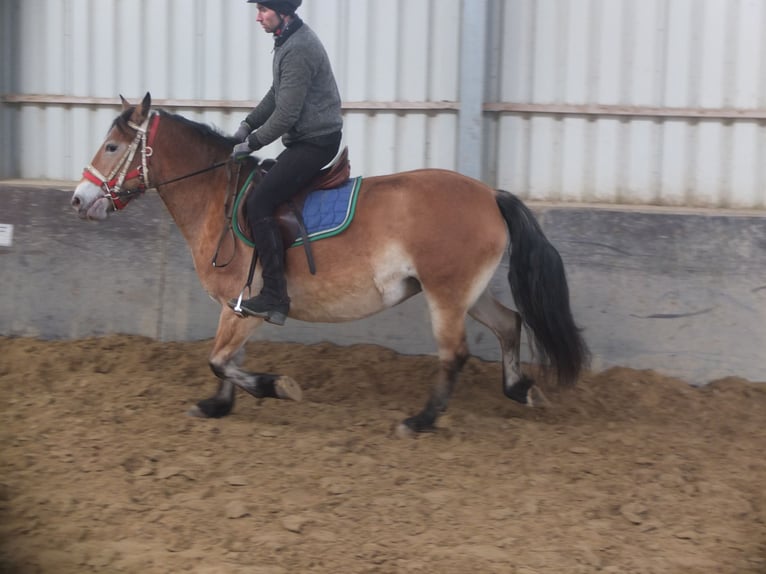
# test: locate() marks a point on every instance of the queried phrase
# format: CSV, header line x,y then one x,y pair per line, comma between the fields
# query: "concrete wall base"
x,y
683,293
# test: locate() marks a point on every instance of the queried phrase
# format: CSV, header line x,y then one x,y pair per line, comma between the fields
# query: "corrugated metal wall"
x,y
631,101
627,101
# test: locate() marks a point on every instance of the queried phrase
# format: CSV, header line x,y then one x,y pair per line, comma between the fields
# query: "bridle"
x,y
112,183
144,140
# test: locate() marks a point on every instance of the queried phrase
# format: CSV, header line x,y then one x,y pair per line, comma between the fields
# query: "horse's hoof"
x,y
411,427
536,398
196,412
519,391
403,431
288,388
210,409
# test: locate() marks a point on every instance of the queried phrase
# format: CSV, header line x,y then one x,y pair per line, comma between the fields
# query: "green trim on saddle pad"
x,y
235,210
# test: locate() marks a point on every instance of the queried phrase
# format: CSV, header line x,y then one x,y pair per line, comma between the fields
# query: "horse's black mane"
x,y
205,131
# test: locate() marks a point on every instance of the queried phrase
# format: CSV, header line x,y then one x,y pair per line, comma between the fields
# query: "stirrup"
x,y
273,316
236,304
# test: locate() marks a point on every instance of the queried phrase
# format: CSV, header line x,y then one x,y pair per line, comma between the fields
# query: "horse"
x,y
429,230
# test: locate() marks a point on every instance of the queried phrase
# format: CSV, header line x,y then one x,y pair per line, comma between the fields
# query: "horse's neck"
x,y
196,204
192,204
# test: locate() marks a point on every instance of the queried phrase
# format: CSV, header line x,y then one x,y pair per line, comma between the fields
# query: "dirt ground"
x,y
630,472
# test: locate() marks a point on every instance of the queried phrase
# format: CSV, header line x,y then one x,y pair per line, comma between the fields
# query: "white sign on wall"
x,y
6,234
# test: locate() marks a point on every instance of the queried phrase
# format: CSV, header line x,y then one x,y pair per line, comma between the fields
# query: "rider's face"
x,y
268,18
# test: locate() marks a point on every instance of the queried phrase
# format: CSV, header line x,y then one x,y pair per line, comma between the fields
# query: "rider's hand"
x,y
242,132
241,151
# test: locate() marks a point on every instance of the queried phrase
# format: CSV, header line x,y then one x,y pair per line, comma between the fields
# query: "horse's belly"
x,y
352,292
335,307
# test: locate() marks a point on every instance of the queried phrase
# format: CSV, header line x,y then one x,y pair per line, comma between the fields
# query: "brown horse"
x,y
429,230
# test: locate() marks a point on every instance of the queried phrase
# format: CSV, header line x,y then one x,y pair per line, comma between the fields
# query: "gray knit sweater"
x,y
303,101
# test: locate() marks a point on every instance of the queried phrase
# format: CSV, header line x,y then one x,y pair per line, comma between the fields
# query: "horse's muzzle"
x,y
89,202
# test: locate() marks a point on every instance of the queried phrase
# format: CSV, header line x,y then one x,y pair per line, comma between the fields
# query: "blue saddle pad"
x,y
327,212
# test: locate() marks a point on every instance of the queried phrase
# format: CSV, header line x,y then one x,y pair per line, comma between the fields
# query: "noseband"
x,y
112,183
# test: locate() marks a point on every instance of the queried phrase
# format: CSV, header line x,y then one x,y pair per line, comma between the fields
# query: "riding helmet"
x,y
281,6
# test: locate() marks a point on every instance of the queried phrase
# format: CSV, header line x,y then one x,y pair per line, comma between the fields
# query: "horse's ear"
x,y
125,104
142,110
146,104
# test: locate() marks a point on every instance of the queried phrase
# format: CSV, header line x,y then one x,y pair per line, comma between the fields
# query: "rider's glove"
x,y
242,132
241,151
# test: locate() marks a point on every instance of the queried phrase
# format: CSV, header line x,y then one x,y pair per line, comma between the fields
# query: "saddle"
x,y
289,215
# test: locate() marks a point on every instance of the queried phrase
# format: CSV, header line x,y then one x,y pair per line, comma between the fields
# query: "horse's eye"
x,y
110,147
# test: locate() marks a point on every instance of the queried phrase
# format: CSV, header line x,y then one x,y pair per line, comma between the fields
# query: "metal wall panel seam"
x,y
472,81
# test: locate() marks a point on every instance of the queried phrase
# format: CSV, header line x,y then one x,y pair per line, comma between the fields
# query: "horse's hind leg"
x,y
506,325
225,362
449,330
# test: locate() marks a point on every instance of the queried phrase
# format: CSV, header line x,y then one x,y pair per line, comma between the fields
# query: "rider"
x,y
303,106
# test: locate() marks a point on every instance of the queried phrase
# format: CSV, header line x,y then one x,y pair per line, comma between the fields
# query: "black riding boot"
x,y
272,303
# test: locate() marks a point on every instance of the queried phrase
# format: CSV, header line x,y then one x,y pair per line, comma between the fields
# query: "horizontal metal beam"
x,y
59,100
571,110
627,111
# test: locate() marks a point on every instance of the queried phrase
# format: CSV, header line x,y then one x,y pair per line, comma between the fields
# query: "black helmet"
x,y
281,6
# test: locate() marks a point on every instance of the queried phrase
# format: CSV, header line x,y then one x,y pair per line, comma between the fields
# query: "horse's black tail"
x,y
539,287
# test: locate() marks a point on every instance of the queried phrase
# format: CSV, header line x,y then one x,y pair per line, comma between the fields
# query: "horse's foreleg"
x,y
506,325
221,403
449,330
225,362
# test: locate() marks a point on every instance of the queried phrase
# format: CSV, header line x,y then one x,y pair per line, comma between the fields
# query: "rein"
x,y
192,174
